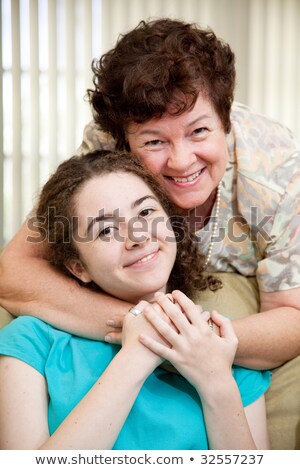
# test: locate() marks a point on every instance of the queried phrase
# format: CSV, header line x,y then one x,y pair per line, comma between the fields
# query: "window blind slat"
x,y
70,77
52,83
34,156
1,144
16,212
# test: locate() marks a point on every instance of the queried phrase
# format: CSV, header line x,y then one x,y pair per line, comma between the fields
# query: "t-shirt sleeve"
x,y
252,383
26,338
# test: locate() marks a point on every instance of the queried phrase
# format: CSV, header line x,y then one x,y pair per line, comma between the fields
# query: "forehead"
x,y
109,192
202,109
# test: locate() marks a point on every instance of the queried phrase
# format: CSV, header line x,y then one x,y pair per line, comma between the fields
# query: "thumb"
x,y
224,324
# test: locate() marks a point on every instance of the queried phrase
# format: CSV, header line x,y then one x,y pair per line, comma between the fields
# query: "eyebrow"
x,y
158,132
101,217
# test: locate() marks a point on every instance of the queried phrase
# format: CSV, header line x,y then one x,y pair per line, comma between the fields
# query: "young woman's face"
x,y
124,241
188,152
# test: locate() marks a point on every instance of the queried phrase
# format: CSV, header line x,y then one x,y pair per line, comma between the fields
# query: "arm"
x,y
205,360
29,284
271,337
97,419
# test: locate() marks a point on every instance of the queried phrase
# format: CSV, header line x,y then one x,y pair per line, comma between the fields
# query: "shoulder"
x,y
25,325
253,125
94,138
28,339
252,383
266,153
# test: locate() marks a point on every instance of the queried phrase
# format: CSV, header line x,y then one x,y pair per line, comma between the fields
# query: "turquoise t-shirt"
x,y
167,414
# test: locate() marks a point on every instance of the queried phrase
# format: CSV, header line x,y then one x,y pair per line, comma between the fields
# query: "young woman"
x,y
108,223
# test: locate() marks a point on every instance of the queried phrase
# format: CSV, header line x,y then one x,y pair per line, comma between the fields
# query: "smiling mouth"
x,y
188,179
145,259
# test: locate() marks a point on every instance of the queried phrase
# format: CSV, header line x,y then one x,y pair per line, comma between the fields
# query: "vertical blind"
x,y
46,51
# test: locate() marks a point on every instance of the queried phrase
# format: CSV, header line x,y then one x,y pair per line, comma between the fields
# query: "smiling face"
x,y
124,242
187,152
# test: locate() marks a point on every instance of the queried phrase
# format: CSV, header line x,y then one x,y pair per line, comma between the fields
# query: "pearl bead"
x,y
215,227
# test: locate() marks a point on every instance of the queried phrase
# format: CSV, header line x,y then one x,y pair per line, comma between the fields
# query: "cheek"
x,y
153,161
167,235
97,258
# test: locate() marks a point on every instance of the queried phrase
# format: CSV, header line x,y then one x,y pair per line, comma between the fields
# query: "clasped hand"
x,y
181,335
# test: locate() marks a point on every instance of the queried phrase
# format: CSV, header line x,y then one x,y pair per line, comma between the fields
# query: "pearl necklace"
x,y
215,226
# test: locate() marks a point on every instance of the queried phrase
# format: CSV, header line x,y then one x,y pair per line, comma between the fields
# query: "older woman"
x,y
166,92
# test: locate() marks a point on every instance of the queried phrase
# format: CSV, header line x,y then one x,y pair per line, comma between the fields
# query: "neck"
x,y
148,297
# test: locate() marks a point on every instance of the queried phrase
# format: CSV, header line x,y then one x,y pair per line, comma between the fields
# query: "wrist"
x,y
221,386
140,359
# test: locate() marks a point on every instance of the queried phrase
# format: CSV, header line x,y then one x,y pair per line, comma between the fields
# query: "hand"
x,y
115,324
134,326
199,354
114,333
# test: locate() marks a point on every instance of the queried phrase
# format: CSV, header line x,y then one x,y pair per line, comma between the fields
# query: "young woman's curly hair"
x,y
57,222
158,67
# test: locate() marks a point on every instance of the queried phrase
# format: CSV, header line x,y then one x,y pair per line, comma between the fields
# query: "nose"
x,y
138,233
181,157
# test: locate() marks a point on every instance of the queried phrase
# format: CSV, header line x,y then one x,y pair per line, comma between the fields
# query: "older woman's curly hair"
x,y
56,210
159,67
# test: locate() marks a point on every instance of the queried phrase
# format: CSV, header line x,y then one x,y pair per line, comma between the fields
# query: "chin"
x,y
149,295
188,205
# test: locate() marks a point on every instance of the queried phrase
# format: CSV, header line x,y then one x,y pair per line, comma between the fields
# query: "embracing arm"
x,y
272,337
29,284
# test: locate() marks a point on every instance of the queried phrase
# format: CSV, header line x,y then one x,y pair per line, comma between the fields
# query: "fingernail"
x,y
107,339
110,322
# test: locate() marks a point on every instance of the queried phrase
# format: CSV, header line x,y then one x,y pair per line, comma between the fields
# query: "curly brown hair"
x,y
56,221
161,63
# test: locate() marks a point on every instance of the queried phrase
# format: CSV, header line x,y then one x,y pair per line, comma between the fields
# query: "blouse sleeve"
x,y
280,267
95,139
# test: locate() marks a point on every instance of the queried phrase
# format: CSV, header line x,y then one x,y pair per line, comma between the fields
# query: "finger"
x,y
205,315
190,309
162,314
157,348
116,321
225,326
165,329
113,337
174,312
138,308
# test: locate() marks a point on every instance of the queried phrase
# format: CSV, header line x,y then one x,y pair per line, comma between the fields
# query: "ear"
x,y
76,267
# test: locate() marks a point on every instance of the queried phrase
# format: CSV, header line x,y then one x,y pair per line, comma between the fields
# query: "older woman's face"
x,y
188,152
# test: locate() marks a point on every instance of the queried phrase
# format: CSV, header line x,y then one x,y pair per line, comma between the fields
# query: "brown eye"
x,y
146,212
106,232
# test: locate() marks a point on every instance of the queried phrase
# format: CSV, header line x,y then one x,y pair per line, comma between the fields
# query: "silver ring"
x,y
135,311
210,323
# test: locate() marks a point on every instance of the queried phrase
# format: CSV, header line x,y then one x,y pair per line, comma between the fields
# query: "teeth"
x,y
188,179
146,258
